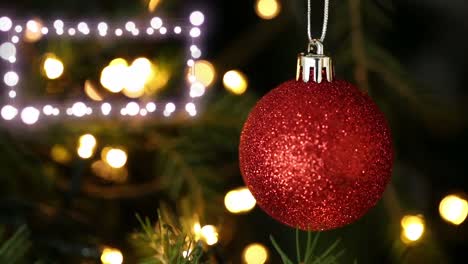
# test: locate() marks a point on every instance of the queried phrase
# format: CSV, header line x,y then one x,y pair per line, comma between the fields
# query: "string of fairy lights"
x,y
118,76
112,161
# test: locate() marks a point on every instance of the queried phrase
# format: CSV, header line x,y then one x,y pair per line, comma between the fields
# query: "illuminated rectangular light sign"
x,y
15,31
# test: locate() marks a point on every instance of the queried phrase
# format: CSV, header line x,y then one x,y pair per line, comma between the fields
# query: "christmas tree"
x,y
121,122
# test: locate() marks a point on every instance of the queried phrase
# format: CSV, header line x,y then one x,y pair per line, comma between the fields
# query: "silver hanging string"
x,y
325,21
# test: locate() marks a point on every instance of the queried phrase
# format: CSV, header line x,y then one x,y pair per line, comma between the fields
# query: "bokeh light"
x,y
91,91
7,51
60,154
453,209
197,18
111,256
413,227
156,22
9,112
239,201
204,72
153,4
115,157
11,78
30,115
209,234
267,9
255,254
86,145
33,31
235,82
5,23
53,67
114,76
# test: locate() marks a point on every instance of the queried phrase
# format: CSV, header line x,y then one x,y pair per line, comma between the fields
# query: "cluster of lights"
x,y
239,201
139,71
452,208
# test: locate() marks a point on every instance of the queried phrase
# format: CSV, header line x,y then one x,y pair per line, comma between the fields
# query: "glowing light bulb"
x,y
91,91
255,254
111,256
7,50
79,109
60,154
453,209
267,9
114,76
197,18
239,201
86,145
48,110
209,234
44,30
118,32
83,28
150,31
195,32
153,4
53,67
151,107
58,24
71,31
30,115
132,109
235,82
106,108
191,109
170,107
5,24
204,72
18,29
197,90
33,31
15,39
163,30
116,158
87,141
9,112
412,228
102,26
156,22
11,78
177,30
130,26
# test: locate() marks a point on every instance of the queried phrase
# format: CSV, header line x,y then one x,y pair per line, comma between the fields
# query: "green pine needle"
x,y
329,256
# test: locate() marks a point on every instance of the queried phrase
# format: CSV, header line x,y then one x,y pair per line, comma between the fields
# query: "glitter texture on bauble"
x,y
316,156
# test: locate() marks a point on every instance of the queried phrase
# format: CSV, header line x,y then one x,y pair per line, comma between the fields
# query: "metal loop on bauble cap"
x,y
316,47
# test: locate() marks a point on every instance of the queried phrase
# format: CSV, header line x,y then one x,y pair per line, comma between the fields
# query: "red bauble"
x,y
316,156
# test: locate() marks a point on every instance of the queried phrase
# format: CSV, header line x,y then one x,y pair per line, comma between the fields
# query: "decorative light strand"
x,y
155,28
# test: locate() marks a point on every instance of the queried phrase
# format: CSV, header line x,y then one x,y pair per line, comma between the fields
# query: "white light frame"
x,y
156,28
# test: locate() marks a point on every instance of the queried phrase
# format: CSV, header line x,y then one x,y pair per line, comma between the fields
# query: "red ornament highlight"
x,y
316,156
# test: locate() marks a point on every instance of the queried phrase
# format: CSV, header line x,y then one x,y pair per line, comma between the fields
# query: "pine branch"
x,y
329,256
165,244
14,249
